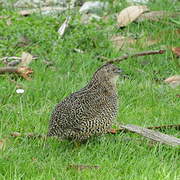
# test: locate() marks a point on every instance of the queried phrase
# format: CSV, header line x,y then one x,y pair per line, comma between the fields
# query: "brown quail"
x,y
89,111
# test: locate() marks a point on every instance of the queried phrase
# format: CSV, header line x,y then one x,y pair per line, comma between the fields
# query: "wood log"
x,y
153,135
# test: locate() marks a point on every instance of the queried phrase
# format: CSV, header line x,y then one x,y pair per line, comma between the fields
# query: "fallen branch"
x,y
8,70
118,59
163,127
153,135
21,71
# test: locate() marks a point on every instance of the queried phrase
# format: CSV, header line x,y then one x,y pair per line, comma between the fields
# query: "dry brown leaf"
x,y
25,72
173,81
130,14
26,59
122,41
112,131
82,167
176,51
155,15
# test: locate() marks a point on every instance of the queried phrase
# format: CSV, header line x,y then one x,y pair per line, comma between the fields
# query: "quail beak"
x,y
119,71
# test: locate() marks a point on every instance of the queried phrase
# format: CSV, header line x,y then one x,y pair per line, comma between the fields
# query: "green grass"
x,y
143,100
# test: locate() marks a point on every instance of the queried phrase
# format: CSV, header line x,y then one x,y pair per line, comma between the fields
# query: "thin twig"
x,y
8,70
121,58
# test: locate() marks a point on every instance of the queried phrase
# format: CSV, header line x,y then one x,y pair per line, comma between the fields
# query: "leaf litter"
x,y
176,51
130,14
22,69
173,81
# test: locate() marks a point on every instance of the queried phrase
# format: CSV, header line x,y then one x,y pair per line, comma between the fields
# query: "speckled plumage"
x,y
89,111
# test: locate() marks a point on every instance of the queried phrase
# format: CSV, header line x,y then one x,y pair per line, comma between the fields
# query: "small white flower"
x,y
19,91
